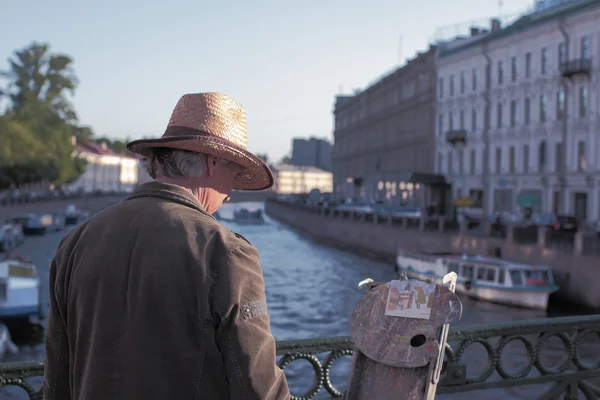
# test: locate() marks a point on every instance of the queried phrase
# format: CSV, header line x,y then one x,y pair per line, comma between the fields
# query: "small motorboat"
x,y
243,216
33,224
485,278
73,216
21,300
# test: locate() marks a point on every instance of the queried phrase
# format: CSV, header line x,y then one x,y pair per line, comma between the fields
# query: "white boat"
x,y
21,300
19,289
485,278
244,216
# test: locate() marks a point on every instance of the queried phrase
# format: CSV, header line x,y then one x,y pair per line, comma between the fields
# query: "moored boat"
x,y
244,216
20,299
484,278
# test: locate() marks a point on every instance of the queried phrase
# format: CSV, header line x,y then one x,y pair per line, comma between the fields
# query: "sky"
x,y
284,61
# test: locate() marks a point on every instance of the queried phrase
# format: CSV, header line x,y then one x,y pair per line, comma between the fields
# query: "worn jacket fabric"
x,y
154,299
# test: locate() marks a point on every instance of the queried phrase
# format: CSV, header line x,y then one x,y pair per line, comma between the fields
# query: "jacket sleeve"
x,y
56,371
243,333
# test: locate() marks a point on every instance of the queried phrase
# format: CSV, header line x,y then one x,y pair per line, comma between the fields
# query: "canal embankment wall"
x,y
578,275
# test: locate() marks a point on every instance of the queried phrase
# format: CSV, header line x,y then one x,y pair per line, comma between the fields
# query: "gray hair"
x,y
173,163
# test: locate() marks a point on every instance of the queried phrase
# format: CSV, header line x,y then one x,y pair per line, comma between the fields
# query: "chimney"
x,y
474,31
495,24
104,146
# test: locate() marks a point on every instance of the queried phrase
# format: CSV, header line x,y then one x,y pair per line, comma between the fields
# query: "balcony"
x,y
569,69
456,136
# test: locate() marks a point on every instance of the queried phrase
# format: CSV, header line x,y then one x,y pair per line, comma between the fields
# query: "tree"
x,y
263,156
286,160
39,123
35,75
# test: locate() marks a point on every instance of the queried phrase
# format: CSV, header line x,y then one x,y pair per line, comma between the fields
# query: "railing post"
x,y
351,215
389,220
541,238
375,218
441,222
404,222
422,223
363,217
578,245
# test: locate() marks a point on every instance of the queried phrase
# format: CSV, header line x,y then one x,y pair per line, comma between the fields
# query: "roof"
x,y
525,23
99,149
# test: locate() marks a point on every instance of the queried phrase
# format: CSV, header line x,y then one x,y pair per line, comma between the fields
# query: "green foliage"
x,y
287,160
37,129
264,157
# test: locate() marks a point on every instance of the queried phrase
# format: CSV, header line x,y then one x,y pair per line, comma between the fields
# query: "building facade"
x,y
384,137
517,113
106,171
296,179
312,152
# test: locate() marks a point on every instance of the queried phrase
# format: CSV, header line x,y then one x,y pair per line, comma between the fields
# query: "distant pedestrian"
x,y
154,299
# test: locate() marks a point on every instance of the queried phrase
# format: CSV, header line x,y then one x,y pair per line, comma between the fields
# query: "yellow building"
x,y
294,179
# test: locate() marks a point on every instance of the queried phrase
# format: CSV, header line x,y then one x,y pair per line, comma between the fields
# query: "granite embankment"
x,y
92,204
577,275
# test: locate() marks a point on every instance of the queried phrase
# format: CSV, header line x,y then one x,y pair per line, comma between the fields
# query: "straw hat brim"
x,y
256,174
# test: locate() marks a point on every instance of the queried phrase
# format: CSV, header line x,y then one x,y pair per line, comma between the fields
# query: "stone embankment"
x,y
576,273
93,204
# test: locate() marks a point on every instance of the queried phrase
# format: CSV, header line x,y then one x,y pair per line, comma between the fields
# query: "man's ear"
x,y
211,165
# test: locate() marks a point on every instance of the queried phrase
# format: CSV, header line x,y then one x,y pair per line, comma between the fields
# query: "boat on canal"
x,y
243,216
20,299
73,215
33,224
484,278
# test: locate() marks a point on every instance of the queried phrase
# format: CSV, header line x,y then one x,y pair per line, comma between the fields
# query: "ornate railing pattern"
x,y
567,379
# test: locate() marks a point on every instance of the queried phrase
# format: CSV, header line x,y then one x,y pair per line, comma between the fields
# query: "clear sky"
x,y
283,60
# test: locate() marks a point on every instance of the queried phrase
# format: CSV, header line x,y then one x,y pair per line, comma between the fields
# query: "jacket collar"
x,y
168,191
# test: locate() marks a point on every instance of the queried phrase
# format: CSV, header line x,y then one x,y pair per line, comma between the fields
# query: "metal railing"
x,y
568,378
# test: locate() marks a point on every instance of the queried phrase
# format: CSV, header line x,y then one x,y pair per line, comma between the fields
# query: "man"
x,y
154,299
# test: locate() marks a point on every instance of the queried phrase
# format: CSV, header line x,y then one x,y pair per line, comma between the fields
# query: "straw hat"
x,y
215,124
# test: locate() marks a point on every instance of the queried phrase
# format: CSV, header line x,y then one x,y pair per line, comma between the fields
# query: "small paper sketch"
x,y
410,299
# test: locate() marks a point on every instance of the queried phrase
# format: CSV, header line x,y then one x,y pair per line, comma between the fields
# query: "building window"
x,y
474,79
527,65
498,160
472,160
544,61
583,99
543,104
585,48
461,119
500,73
562,53
451,85
460,161
441,89
440,161
499,115
488,75
513,69
450,121
462,82
513,113
450,163
558,156
542,157
581,155
440,124
473,120
512,159
560,104
525,158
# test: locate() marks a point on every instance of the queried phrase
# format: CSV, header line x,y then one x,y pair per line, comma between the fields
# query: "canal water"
x,y
311,290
